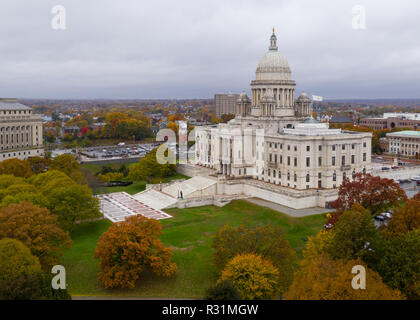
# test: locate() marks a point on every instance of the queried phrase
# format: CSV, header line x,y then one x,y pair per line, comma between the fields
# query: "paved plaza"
x,y
120,205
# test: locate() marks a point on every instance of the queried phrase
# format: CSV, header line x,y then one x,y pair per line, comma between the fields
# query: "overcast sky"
x,y
193,49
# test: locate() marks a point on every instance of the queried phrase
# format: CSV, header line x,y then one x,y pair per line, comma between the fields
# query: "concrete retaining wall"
x,y
396,174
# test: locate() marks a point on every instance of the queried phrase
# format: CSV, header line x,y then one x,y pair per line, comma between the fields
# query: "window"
x,y
352,146
295,162
364,144
271,157
288,161
281,159
319,148
308,161
334,176
344,175
308,148
333,147
333,161
295,148
343,147
288,176
295,177
319,175
307,178
364,156
275,158
281,146
288,147
343,160
352,159
319,161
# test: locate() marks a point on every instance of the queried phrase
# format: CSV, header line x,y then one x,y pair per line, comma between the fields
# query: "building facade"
x,y
393,120
20,131
274,138
225,103
405,143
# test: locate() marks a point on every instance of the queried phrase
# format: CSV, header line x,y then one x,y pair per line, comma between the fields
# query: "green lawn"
x,y
189,233
98,187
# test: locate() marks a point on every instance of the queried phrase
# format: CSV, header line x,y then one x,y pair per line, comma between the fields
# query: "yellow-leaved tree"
x,y
254,277
322,278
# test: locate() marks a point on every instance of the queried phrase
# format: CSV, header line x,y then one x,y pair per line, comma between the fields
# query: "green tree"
x,y
148,169
16,167
68,164
400,263
223,290
355,236
33,286
15,260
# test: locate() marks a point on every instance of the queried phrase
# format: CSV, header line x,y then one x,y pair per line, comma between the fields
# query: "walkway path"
x,y
296,213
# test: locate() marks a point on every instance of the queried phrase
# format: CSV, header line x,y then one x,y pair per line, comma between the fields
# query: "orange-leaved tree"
x,y
37,228
127,248
322,278
373,193
404,219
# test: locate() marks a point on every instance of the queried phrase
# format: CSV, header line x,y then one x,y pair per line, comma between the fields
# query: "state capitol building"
x,y
274,138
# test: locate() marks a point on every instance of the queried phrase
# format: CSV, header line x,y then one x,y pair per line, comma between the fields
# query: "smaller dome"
x,y
311,120
303,97
243,97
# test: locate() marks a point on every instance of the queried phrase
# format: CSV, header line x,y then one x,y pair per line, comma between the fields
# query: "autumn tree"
x,y
15,260
374,193
148,169
254,277
267,241
37,228
16,167
323,278
404,219
127,248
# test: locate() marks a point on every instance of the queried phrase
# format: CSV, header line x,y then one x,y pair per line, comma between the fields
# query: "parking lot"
x,y
120,151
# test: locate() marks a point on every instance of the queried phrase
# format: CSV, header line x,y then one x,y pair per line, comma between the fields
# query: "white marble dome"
x,y
273,65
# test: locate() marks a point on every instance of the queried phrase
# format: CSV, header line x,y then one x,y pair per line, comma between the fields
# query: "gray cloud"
x,y
192,49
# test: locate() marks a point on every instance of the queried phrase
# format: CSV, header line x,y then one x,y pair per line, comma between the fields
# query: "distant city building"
x,y
393,120
405,143
225,103
20,131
